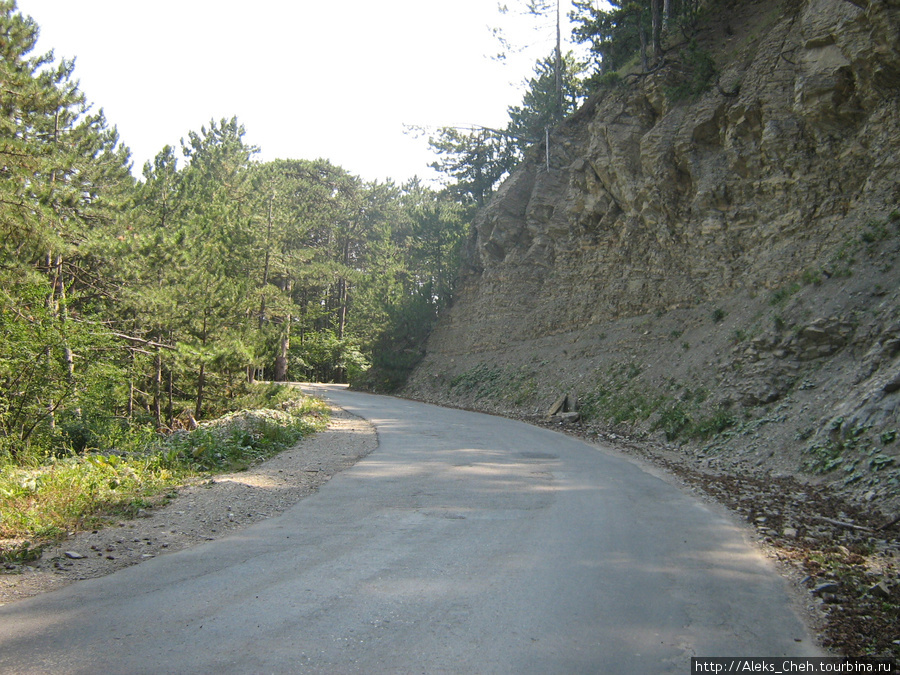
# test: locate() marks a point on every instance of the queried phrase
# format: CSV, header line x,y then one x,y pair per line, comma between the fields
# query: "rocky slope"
x,y
717,273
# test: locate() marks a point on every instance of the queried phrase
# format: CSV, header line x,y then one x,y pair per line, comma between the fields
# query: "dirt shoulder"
x,y
198,512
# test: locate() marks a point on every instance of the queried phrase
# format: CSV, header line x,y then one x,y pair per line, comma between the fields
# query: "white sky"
x,y
337,79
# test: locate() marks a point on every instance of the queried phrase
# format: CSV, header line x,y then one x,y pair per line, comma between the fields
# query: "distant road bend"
x,y
464,544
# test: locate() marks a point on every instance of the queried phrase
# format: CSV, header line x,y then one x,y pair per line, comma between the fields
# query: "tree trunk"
x,y
643,35
169,388
201,376
157,389
131,386
281,360
656,27
342,308
57,305
201,379
342,292
266,263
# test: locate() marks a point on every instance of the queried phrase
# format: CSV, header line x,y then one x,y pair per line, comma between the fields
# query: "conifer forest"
x,y
149,298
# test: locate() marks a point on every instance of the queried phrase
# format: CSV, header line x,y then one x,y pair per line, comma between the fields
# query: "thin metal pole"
x,y
547,146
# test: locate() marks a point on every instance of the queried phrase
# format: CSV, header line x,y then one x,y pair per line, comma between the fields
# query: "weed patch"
x,y
682,420
495,383
780,296
43,499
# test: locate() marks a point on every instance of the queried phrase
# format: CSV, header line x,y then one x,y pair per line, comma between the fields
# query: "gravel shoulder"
x,y
198,512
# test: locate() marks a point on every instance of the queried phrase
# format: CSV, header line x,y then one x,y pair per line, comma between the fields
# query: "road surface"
x,y
464,544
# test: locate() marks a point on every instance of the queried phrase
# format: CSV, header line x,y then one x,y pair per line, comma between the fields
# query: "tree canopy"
x,y
127,303
149,302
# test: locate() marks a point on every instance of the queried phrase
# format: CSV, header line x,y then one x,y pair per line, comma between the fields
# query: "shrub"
x,y
698,73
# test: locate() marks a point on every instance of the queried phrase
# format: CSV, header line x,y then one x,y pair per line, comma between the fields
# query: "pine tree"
x,y
476,159
64,177
542,104
215,284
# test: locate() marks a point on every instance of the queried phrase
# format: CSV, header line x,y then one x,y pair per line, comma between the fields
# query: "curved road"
x,y
464,544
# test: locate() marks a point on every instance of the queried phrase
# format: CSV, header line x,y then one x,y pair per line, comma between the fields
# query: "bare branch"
x,y
142,341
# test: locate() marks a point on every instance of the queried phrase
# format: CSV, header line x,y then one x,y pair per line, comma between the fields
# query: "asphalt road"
x,y
464,544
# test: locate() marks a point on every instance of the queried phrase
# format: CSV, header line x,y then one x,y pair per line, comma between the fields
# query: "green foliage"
x,y
474,160
854,450
697,73
43,499
686,419
875,231
64,177
620,397
623,32
715,423
20,552
429,238
618,405
811,277
324,357
483,381
614,34
46,501
495,383
783,294
674,420
129,306
540,109
601,80
401,346
240,439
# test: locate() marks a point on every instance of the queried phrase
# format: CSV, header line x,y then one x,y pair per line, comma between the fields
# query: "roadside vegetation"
x,y
46,496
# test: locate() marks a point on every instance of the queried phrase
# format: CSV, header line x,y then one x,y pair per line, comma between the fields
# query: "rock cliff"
x,y
716,273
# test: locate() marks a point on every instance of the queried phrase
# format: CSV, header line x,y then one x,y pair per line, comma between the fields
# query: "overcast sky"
x,y
307,78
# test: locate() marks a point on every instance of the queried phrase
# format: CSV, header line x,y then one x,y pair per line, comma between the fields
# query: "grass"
x,y
243,438
43,499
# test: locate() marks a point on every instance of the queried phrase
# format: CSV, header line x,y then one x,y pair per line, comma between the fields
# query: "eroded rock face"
x,y
651,204
781,180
